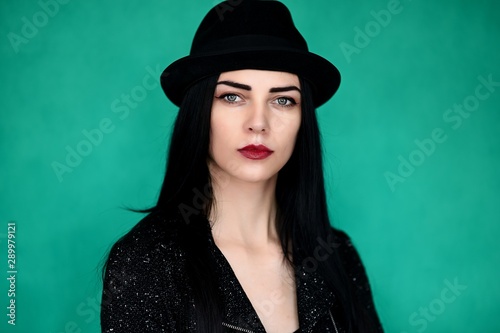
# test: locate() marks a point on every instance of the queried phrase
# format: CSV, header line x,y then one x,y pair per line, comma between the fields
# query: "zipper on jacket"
x,y
333,321
236,328
248,331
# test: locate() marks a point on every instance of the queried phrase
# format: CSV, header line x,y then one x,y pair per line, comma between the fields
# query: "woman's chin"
x,y
253,176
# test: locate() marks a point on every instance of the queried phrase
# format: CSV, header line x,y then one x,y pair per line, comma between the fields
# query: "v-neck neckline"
x,y
312,297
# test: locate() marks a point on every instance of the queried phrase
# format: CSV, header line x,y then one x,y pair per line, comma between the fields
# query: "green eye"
x,y
285,101
231,98
282,101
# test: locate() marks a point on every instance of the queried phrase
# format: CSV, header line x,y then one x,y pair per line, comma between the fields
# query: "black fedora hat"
x,y
249,34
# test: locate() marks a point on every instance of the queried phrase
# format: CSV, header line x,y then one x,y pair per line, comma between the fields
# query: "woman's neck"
x,y
245,213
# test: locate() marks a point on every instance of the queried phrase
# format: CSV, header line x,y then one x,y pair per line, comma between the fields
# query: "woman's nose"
x,y
258,121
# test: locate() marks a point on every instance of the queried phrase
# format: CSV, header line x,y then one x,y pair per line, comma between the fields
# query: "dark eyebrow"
x,y
247,87
281,89
235,85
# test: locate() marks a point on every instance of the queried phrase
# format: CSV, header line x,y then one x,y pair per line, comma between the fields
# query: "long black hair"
x,y
302,214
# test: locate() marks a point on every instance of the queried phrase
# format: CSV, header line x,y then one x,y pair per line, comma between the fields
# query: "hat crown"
x,y
249,24
249,34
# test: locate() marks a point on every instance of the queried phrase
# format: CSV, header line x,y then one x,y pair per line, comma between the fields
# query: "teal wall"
x,y
411,177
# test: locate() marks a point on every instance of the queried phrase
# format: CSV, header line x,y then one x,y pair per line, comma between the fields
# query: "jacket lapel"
x,y
314,298
239,311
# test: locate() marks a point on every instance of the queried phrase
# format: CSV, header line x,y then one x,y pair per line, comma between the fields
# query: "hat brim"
x,y
322,74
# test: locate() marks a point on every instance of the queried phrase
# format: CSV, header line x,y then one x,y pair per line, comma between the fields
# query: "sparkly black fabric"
x,y
145,286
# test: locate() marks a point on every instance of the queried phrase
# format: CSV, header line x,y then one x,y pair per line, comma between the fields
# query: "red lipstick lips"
x,y
255,152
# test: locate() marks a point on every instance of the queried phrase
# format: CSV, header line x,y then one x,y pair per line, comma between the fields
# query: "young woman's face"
x,y
255,119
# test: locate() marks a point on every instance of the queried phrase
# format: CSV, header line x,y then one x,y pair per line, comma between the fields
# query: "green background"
x,y
439,222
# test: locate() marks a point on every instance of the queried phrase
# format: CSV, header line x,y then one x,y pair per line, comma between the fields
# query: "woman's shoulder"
x,y
356,272
153,237
349,255
345,246
144,270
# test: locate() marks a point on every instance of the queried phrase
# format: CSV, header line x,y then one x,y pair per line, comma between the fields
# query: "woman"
x,y
240,240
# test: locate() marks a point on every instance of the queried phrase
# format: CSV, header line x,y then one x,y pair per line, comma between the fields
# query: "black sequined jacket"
x,y
145,288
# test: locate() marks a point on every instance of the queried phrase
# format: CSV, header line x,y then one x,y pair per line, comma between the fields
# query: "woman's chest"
x,y
268,295
271,291
267,281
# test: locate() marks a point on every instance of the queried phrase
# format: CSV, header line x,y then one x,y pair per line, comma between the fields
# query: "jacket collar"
x,y
314,299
